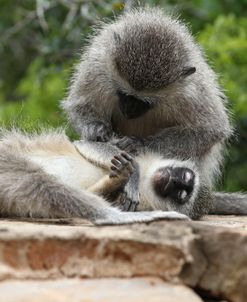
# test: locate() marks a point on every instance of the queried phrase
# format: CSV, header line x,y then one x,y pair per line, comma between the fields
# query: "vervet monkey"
x,y
144,79
47,176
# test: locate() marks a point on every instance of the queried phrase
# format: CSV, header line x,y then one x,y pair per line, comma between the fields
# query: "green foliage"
x,y
200,12
225,42
40,41
39,92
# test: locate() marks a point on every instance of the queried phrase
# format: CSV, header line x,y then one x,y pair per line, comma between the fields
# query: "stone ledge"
x,y
97,290
209,255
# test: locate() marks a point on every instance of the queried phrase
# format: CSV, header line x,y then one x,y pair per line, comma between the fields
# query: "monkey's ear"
x,y
188,70
117,37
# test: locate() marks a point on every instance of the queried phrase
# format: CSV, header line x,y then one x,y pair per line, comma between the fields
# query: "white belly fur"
x,y
70,170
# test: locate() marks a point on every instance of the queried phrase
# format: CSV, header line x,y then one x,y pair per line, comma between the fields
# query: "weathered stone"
x,y
110,290
208,255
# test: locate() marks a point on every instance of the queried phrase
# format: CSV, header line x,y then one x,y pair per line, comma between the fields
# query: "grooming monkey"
x,y
47,176
144,84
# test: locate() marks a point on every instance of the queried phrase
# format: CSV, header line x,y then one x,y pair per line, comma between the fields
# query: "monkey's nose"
x,y
162,178
174,183
181,184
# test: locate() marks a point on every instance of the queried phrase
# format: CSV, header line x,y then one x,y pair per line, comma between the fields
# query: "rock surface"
x,y
209,255
107,290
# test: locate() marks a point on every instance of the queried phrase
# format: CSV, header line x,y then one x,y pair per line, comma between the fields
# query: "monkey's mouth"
x,y
132,107
174,183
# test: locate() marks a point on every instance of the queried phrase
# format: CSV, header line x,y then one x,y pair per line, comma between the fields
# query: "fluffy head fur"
x,y
147,53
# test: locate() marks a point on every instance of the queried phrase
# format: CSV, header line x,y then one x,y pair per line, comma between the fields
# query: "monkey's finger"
x,y
127,145
133,206
116,163
127,156
124,142
126,206
133,162
121,159
124,145
131,150
115,170
115,204
122,199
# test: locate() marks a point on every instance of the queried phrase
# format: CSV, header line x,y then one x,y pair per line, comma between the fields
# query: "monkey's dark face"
x,y
174,183
131,106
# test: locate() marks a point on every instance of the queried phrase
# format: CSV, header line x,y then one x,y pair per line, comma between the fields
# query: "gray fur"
x,y
26,190
148,54
229,203
100,154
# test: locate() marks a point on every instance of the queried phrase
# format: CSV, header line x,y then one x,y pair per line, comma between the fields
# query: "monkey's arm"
x,y
177,141
85,105
90,126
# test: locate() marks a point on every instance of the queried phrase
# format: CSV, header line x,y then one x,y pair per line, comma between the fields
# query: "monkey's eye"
x,y
188,70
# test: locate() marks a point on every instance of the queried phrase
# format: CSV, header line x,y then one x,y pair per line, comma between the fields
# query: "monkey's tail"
x,y
229,203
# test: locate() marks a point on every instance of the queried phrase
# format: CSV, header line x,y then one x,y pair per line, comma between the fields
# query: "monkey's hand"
x,y
96,131
130,144
129,198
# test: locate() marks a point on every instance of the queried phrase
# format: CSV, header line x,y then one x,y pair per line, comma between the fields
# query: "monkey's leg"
x,y
26,190
129,196
104,187
122,169
101,154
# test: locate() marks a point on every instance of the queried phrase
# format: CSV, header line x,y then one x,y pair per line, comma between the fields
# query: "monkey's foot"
x,y
127,218
121,166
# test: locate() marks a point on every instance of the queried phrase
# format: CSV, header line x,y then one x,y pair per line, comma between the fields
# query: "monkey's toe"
x,y
122,165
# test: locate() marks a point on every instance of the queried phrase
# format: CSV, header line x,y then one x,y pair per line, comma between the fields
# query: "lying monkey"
x,y
47,176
